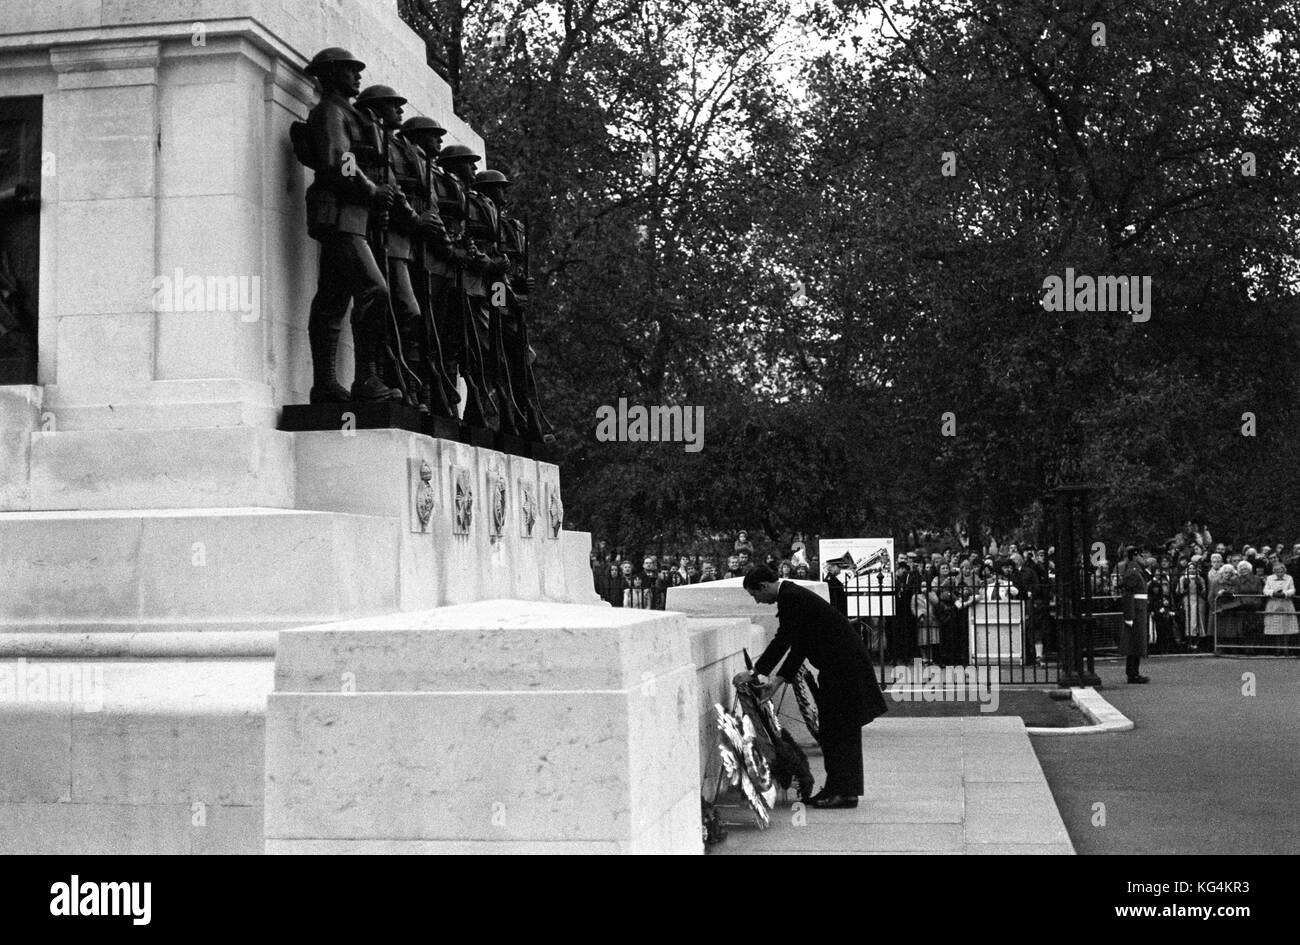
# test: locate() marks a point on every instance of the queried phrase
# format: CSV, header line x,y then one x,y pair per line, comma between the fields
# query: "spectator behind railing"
x,y
1227,622
1279,611
637,594
1192,603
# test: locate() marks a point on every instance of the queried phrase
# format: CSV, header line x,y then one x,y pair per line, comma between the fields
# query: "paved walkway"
x,y
946,785
1207,769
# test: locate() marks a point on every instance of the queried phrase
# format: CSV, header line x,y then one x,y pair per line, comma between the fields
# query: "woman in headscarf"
x,y
1279,612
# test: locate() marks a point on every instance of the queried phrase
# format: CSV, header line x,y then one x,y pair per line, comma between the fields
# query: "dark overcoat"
x,y
1133,589
811,629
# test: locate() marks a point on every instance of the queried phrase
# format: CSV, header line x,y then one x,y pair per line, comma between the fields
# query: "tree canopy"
x,y
829,224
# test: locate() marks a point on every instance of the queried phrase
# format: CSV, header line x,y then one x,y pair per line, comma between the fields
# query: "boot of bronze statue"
x,y
325,387
368,385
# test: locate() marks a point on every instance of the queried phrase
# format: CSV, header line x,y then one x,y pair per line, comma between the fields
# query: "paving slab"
x,y
933,786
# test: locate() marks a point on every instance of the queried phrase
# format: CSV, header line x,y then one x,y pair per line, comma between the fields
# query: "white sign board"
x,y
866,569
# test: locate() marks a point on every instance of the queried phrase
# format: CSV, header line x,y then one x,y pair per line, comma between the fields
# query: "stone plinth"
x,y
132,757
717,648
205,581
491,727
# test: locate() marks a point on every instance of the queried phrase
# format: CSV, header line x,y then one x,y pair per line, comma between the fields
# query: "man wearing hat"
x,y
341,145
1133,582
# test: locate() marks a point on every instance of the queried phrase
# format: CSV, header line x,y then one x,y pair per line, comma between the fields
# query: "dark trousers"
x,y
842,753
445,302
1132,666
348,275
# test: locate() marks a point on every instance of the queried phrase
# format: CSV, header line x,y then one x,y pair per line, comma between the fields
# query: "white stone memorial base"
x,y
494,727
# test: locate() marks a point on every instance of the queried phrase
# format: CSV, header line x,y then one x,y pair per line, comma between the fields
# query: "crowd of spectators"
x,y
631,580
1199,590
1195,588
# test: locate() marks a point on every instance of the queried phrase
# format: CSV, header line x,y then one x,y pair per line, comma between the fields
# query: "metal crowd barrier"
x,y
1241,622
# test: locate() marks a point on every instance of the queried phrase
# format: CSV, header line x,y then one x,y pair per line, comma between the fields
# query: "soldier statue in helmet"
x,y
421,140
482,233
411,215
341,145
456,270
509,295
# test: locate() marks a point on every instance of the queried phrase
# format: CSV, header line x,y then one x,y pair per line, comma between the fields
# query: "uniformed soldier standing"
x,y
516,285
341,146
1133,582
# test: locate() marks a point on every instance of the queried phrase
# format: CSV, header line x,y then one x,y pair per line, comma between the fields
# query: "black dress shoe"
x,y
811,798
1139,679
835,802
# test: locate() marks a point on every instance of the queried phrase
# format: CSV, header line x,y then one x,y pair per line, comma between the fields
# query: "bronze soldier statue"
x,y
510,294
482,229
342,147
421,140
411,214
456,271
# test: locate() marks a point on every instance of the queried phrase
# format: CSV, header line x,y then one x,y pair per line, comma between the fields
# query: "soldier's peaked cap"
x,y
380,93
422,123
490,177
456,152
332,56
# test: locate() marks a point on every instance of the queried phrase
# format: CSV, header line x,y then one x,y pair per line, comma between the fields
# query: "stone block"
x,y
20,416
205,118
262,563
499,722
110,142
185,756
155,405
106,350
227,831
103,257
61,564
179,468
20,16
35,743
94,829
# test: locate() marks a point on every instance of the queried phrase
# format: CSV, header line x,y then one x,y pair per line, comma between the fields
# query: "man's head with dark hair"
x,y
762,584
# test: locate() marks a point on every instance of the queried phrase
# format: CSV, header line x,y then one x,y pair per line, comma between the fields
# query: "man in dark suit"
x,y
810,628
